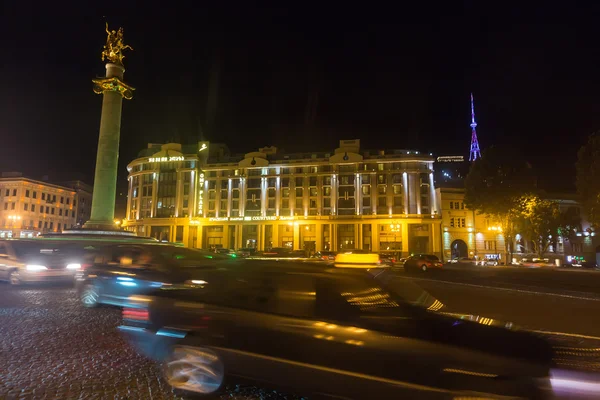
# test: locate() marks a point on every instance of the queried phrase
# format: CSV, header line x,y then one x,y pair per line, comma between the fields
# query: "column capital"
x,y
113,84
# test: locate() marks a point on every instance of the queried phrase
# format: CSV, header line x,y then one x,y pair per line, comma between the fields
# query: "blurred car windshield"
x,y
44,249
430,257
190,257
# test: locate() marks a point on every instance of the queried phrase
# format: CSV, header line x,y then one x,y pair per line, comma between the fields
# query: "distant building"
x,y
347,198
466,233
29,207
451,171
83,200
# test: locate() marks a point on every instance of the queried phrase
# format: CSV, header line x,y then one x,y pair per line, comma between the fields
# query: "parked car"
x,y
121,271
387,259
423,262
325,255
319,330
39,260
246,252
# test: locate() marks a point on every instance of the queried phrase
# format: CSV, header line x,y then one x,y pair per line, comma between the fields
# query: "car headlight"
x,y
73,266
34,267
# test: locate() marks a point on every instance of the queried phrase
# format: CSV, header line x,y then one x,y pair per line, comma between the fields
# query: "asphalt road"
x,y
52,348
558,300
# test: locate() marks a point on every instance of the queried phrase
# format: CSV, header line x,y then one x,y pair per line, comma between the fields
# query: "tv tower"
x,y
474,153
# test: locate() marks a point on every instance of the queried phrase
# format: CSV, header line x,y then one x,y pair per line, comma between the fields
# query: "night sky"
x,y
392,77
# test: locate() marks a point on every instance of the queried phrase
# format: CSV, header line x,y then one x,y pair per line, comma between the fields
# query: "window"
x,y
31,223
27,193
381,201
462,223
14,192
382,189
313,191
52,211
25,206
60,212
51,225
490,244
47,209
298,182
462,206
62,201
452,205
45,224
58,226
456,205
39,224
366,190
451,222
68,201
7,192
12,206
73,213
32,207
43,196
380,167
35,195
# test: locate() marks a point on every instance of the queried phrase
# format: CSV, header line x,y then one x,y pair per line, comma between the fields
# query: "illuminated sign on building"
x,y
269,218
166,159
200,194
450,159
203,147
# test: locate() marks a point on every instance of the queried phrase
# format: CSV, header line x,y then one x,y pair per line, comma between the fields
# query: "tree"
x,y
541,222
569,225
496,185
588,177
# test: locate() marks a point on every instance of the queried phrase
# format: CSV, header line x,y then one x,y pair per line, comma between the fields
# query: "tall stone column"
x,y
113,89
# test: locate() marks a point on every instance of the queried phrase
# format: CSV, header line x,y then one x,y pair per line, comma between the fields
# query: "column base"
x,y
101,226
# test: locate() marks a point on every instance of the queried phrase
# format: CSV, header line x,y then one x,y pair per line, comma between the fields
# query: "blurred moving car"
x,y
39,260
121,271
328,331
423,262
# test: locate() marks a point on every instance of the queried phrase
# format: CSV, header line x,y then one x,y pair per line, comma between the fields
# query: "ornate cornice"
x,y
113,84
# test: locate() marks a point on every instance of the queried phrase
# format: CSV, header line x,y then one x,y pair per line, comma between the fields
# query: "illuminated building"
x,y
450,171
348,198
466,233
29,207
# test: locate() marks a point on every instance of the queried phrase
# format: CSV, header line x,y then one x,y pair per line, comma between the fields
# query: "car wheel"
x,y
196,370
89,295
13,278
423,267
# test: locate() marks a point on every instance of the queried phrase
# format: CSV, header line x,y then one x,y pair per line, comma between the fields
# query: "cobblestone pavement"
x,y
52,348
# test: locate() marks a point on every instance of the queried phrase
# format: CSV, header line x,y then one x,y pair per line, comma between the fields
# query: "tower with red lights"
x,y
474,153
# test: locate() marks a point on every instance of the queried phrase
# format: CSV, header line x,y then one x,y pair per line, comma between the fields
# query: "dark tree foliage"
x,y
496,185
588,177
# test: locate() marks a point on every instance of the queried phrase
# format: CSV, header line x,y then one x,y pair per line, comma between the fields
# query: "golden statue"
x,y
113,49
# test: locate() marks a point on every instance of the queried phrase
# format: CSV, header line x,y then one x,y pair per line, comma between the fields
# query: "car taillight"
x,y
393,260
136,314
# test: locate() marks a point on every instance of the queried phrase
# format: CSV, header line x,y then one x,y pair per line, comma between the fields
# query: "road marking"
x,y
504,289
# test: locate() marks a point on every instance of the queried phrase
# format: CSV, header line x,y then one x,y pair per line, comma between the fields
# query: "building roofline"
x,y
37,182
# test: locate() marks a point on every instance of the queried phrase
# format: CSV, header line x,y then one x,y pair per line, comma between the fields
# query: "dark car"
x,y
387,259
325,255
121,271
39,260
320,330
423,262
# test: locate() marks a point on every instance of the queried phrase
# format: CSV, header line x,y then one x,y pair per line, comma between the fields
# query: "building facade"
x,y
29,207
83,200
348,198
466,233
